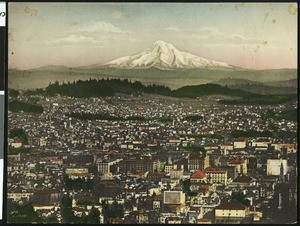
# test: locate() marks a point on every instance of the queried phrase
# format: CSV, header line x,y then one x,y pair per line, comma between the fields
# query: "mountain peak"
x,y
165,56
162,44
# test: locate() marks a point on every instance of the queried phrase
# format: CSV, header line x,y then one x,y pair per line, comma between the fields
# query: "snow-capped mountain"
x,y
163,55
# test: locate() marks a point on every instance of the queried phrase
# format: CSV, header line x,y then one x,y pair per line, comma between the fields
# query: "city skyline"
x,y
76,34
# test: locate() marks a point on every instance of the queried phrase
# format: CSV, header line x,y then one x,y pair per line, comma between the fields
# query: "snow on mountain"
x,y
163,55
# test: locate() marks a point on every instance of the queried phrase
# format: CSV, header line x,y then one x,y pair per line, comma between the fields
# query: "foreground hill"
x,y
110,87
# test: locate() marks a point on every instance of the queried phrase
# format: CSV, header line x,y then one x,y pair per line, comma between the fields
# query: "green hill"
x,y
41,77
209,89
110,87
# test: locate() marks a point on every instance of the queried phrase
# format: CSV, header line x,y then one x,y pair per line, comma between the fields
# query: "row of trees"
x,y
18,106
102,87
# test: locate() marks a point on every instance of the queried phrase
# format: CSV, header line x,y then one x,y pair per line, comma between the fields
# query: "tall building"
x,y
127,165
216,176
198,162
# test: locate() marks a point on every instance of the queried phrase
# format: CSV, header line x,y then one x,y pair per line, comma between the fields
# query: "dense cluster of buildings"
x,y
156,170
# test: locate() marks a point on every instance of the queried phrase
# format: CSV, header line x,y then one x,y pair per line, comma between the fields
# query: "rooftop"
x,y
198,175
232,205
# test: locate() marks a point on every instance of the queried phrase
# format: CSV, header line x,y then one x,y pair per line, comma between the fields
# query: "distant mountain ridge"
x,y
164,56
160,64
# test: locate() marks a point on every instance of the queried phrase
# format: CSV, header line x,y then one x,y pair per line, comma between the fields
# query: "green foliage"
x,y
69,217
67,213
17,106
79,183
193,118
186,188
15,151
18,133
114,210
136,118
100,88
286,134
262,99
38,91
33,100
109,87
186,184
22,214
48,220
288,115
13,93
194,149
251,133
157,89
163,120
93,217
209,89
90,88
240,197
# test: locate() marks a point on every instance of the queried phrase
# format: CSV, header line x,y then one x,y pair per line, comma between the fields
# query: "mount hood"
x,y
165,56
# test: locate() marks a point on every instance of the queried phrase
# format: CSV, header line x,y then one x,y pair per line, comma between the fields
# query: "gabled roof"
x,y
214,170
198,175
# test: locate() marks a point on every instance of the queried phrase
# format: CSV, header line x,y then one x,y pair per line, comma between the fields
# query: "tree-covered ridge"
x,y
110,87
262,99
209,89
103,87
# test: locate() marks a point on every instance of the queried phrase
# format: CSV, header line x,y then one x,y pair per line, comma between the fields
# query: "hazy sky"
x,y
255,36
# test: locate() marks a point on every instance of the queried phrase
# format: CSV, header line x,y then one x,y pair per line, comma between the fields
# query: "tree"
x,y
114,210
67,213
240,197
18,133
22,213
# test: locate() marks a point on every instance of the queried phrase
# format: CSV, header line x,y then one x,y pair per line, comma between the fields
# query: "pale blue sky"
x,y
257,36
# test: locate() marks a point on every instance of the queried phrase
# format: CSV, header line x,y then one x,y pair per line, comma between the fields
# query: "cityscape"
x,y
162,136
